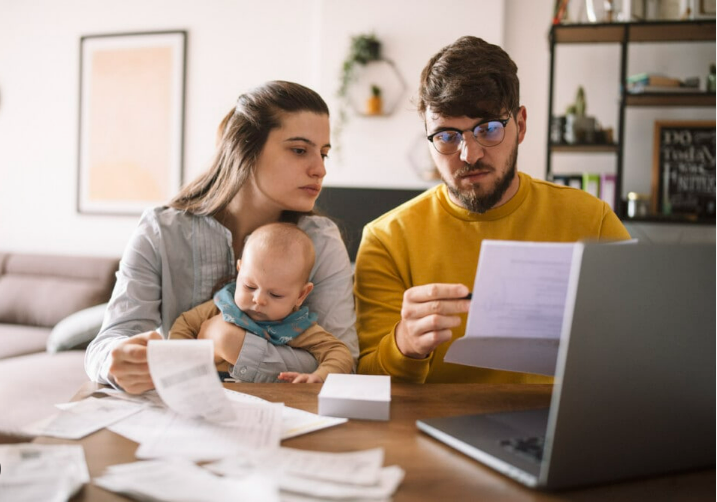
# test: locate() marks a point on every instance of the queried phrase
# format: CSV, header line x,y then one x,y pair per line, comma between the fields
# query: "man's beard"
x,y
479,201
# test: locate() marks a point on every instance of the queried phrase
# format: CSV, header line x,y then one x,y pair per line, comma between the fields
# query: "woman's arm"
x,y
134,309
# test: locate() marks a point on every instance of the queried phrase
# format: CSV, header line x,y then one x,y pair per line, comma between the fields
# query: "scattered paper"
x,y
32,472
389,480
355,475
356,468
81,418
181,481
185,377
255,427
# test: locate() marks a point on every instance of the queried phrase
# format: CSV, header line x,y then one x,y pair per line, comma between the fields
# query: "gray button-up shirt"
x,y
173,262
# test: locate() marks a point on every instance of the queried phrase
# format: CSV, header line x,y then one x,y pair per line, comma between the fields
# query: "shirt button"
x,y
242,370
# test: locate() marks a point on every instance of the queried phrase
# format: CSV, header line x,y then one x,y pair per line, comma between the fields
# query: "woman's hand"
x,y
129,367
427,315
294,377
228,338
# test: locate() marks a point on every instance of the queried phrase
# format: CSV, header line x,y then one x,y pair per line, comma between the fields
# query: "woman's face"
x,y
290,168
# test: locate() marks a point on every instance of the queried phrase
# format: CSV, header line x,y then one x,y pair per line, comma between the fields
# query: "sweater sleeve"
x,y
331,353
187,325
379,293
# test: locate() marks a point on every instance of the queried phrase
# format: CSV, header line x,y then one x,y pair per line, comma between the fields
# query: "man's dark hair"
x,y
472,78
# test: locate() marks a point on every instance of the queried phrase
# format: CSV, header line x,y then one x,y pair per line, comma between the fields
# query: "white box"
x,y
365,397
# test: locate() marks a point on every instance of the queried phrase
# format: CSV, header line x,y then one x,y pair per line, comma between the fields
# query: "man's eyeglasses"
x,y
487,133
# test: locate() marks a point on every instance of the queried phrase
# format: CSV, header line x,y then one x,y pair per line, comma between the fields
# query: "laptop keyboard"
x,y
530,448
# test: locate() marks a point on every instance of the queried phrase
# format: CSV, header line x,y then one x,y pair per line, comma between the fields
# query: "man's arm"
x,y
399,325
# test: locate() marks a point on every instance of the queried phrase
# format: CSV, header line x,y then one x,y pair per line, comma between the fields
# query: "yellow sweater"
x,y
430,239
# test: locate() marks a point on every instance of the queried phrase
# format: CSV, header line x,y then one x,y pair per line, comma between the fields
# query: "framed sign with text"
x,y
683,171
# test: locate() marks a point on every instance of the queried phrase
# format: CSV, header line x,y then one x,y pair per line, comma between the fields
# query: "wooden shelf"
x,y
675,218
670,99
586,148
653,31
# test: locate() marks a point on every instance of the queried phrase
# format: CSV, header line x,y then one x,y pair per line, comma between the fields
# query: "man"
x,y
416,263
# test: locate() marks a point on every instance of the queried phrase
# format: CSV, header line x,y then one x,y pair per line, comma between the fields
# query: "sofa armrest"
x,y
77,330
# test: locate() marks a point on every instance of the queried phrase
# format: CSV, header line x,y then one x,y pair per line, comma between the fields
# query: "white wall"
x,y
234,45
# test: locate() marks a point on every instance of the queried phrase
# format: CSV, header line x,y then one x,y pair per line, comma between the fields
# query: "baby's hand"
x,y
294,377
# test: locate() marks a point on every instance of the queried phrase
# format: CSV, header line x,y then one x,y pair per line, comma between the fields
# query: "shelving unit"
x,y
625,34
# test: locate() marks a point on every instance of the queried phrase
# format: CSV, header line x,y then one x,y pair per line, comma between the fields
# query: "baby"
x,y
272,283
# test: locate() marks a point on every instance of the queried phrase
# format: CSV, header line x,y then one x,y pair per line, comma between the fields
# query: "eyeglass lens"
x,y
487,134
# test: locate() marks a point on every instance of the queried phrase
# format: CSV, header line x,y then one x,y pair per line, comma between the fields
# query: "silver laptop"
x,y
634,391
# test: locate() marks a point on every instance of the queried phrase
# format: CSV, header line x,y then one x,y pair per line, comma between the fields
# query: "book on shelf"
x,y
569,180
653,79
643,89
607,189
591,184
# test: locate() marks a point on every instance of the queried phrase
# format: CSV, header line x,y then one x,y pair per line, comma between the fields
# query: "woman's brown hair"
x,y
243,134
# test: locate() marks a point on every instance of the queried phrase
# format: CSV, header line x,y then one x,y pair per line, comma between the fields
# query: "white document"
x,y
186,378
32,472
353,468
517,308
294,422
255,427
181,481
389,479
81,418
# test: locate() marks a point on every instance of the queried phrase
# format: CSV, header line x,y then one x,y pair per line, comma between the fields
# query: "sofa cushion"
x,y
77,330
16,340
41,290
31,385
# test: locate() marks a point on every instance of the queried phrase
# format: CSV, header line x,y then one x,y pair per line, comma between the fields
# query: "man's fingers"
x,y
427,342
437,291
434,308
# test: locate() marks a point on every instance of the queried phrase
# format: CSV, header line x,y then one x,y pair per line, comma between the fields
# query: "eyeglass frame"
x,y
503,122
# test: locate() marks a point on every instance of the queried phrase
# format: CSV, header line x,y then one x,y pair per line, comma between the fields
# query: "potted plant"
x,y
363,49
374,104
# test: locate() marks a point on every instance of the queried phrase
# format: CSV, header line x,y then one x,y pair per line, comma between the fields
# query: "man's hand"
x,y
129,366
228,338
294,377
427,316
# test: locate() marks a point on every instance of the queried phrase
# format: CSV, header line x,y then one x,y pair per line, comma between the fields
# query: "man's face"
x,y
479,178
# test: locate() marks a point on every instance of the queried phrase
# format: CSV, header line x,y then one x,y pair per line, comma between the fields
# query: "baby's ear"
x,y
238,265
304,293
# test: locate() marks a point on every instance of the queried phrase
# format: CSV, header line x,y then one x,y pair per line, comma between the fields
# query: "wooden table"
x,y
434,472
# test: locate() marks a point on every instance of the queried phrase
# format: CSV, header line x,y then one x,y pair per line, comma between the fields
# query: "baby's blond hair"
x,y
286,238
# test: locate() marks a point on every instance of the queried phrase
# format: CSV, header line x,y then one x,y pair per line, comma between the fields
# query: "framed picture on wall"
x,y
131,125
683,172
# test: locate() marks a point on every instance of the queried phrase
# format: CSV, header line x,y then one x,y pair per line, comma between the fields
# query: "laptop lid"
x,y
635,379
634,392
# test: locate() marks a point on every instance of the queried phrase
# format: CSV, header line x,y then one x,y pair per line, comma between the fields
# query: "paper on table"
x,y
255,427
80,418
295,422
33,472
355,468
389,479
517,309
180,481
185,377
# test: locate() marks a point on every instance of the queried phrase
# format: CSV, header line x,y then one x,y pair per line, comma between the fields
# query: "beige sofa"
x,y
50,309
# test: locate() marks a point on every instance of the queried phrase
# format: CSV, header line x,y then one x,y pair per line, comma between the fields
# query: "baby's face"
x,y
269,286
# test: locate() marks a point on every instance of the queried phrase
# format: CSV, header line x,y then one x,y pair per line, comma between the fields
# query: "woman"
x,y
268,167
